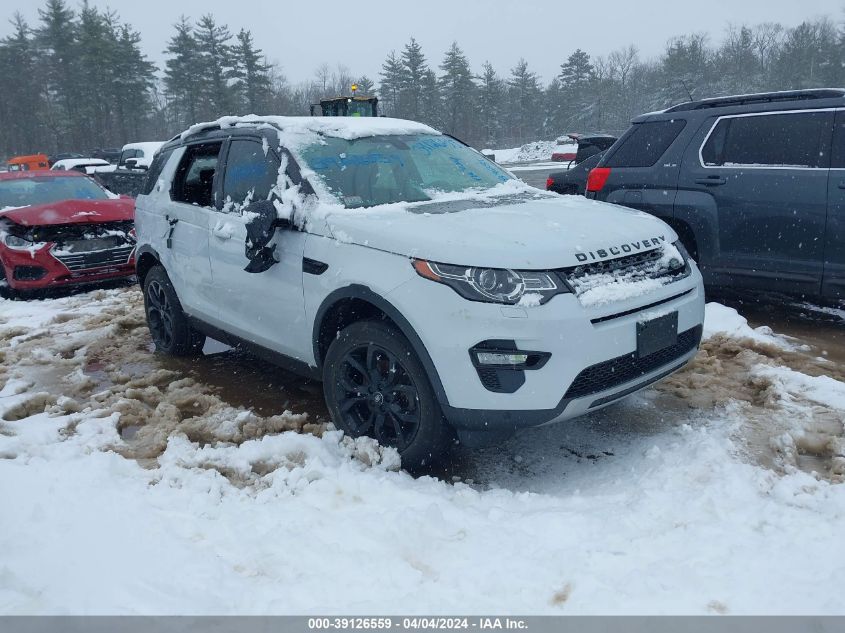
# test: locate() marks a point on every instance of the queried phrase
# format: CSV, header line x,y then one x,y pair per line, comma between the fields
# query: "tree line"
x,y
78,79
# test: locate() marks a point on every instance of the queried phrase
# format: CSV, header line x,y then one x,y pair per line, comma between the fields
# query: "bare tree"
x,y
767,38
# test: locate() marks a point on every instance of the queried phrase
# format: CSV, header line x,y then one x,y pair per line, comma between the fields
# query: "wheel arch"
x,y
145,258
356,302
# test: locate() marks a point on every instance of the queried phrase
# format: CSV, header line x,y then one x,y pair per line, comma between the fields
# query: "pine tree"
x,y
215,55
95,58
251,74
22,104
133,77
430,104
491,105
390,86
458,94
182,74
524,114
572,105
413,73
576,71
57,41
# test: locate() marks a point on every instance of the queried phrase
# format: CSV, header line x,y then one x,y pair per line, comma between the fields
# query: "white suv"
x,y
431,292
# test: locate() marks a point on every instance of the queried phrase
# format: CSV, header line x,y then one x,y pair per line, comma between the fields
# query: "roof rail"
x,y
762,97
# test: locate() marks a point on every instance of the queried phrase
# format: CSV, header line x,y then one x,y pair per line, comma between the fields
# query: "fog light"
x,y
28,273
501,358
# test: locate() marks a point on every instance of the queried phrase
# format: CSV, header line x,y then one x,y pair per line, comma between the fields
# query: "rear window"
x,y
646,143
771,140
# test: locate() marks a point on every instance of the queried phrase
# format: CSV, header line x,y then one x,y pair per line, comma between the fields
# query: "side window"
x,y
194,180
837,155
250,174
645,143
155,170
770,140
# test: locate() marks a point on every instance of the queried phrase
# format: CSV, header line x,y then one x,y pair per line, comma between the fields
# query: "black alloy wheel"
x,y
377,396
376,386
169,326
159,315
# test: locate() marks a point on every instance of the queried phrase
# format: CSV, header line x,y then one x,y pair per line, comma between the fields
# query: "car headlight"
x,y
492,285
682,251
20,243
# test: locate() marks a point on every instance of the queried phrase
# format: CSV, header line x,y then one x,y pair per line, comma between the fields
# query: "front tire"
x,y
375,385
169,327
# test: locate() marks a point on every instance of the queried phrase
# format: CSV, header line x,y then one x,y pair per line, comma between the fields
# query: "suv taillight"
x,y
597,178
549,183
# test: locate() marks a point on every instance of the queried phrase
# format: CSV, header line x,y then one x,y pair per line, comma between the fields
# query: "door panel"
x,y
767,176
188,214
265,308
833,285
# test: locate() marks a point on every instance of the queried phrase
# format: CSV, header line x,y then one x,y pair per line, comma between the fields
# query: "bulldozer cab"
x,y
346,106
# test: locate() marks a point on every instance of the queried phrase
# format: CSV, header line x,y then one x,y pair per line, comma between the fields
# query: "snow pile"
x,y
721,319
587,517
534,151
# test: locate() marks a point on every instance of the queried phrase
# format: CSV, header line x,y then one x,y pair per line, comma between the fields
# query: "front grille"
x,y
622,369
630,268
96,259
634,261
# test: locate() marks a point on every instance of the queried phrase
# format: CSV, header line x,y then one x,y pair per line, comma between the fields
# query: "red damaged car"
x,y
60,228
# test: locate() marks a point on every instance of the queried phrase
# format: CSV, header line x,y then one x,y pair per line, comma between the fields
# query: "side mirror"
x,y
260,228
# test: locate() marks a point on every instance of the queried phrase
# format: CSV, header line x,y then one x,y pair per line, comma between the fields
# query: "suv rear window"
x,y
776,140
645,143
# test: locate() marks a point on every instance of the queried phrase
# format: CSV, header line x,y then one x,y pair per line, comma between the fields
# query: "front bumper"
x,y
40,269
578,339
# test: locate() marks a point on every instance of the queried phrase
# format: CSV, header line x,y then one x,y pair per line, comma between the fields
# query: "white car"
x,y
138,155
84,165
433,294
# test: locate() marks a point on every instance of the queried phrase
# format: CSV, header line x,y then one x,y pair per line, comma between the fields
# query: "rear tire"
x,y
169,327
375,385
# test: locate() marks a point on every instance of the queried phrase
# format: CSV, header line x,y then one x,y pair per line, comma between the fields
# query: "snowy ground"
x,y
133,484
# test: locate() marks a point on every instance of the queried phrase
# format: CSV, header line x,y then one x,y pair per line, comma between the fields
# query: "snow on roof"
x,y
149,147
340,127
70,163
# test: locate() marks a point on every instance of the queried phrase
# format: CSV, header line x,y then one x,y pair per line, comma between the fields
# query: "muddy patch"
x,y
101,363
777,432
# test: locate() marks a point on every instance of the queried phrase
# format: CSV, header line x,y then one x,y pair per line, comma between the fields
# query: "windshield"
x,y
23,192
375,170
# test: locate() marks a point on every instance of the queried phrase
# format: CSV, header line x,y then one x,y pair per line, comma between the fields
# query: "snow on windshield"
x,y
386,169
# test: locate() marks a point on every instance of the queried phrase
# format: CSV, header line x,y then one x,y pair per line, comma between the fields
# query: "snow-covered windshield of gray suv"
x,y
386,169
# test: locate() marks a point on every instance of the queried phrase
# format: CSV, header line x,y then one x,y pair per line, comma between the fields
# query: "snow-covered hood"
x,y
72,212
529,230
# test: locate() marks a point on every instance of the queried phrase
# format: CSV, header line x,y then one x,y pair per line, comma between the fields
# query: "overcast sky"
x,y
302,34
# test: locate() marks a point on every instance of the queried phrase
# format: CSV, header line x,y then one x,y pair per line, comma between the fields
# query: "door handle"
x,y
842,185
711,180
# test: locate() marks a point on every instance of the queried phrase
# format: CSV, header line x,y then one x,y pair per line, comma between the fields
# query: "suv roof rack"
x,y
761,97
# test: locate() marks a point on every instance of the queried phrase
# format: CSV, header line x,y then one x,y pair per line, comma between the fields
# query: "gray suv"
x,y
753,184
